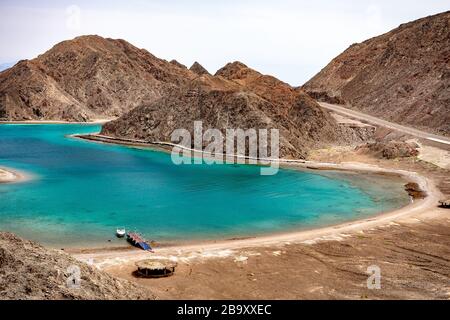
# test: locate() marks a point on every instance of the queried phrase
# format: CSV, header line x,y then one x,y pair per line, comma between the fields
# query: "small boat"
x,y
120,232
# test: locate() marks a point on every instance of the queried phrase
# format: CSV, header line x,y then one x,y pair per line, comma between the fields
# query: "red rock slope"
x,y
86,78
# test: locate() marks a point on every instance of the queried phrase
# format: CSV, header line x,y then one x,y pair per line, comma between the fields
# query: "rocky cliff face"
x,y
402,76
29,271
236,97
86,78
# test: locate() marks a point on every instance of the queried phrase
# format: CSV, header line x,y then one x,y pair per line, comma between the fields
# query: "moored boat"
x,y
138,241
120,232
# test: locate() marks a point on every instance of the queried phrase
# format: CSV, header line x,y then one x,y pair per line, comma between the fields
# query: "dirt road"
x,y
442,141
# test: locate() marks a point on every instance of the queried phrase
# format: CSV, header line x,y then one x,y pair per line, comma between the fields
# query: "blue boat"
x,y
138,241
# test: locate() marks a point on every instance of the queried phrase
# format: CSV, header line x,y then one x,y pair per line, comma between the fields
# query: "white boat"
x,y
120,232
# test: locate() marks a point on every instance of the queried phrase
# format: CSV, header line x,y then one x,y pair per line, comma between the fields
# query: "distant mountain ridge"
x,y
86,78
401,76
90,77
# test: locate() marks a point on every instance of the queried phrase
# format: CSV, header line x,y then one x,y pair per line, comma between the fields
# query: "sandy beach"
x,y
417,206
410,244
412,253
211,269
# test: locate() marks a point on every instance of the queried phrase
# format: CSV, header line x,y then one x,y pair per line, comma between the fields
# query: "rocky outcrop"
x,y
290,106
29,271
414,190
389,149
236,97
401,76
85,78
198,69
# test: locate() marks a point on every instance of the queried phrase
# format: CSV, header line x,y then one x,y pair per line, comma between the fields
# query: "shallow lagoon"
x,y
81,191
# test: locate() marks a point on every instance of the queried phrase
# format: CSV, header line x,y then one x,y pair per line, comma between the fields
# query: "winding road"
x,y
437,139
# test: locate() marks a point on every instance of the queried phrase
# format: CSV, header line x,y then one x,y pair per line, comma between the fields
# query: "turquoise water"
x,y
81,191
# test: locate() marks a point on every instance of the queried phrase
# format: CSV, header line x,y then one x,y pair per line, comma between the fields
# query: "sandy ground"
x,y
411,246
436,156
413,257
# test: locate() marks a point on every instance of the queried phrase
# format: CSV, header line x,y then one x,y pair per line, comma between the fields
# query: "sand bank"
x,y
8,175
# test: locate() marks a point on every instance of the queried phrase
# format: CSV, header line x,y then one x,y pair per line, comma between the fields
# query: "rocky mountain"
x,y
402,76
86,78
198,69
236,97
90,77
30,271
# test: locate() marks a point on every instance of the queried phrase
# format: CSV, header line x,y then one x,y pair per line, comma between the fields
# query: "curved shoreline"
x,y
338,231
417,206
320,233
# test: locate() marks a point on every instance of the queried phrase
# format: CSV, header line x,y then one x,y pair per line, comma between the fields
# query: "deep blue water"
x,y
81,191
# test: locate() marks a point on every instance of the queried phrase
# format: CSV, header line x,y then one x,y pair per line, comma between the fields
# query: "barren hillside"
x,y
85,78
402,76
29,271
236,97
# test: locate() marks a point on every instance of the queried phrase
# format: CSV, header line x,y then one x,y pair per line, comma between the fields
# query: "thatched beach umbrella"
x,y
445,203
155,268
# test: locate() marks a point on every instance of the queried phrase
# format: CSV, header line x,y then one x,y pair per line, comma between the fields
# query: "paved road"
x,y
391,125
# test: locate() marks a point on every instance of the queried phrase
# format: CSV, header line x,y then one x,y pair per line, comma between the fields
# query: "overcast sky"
x,y
292,40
